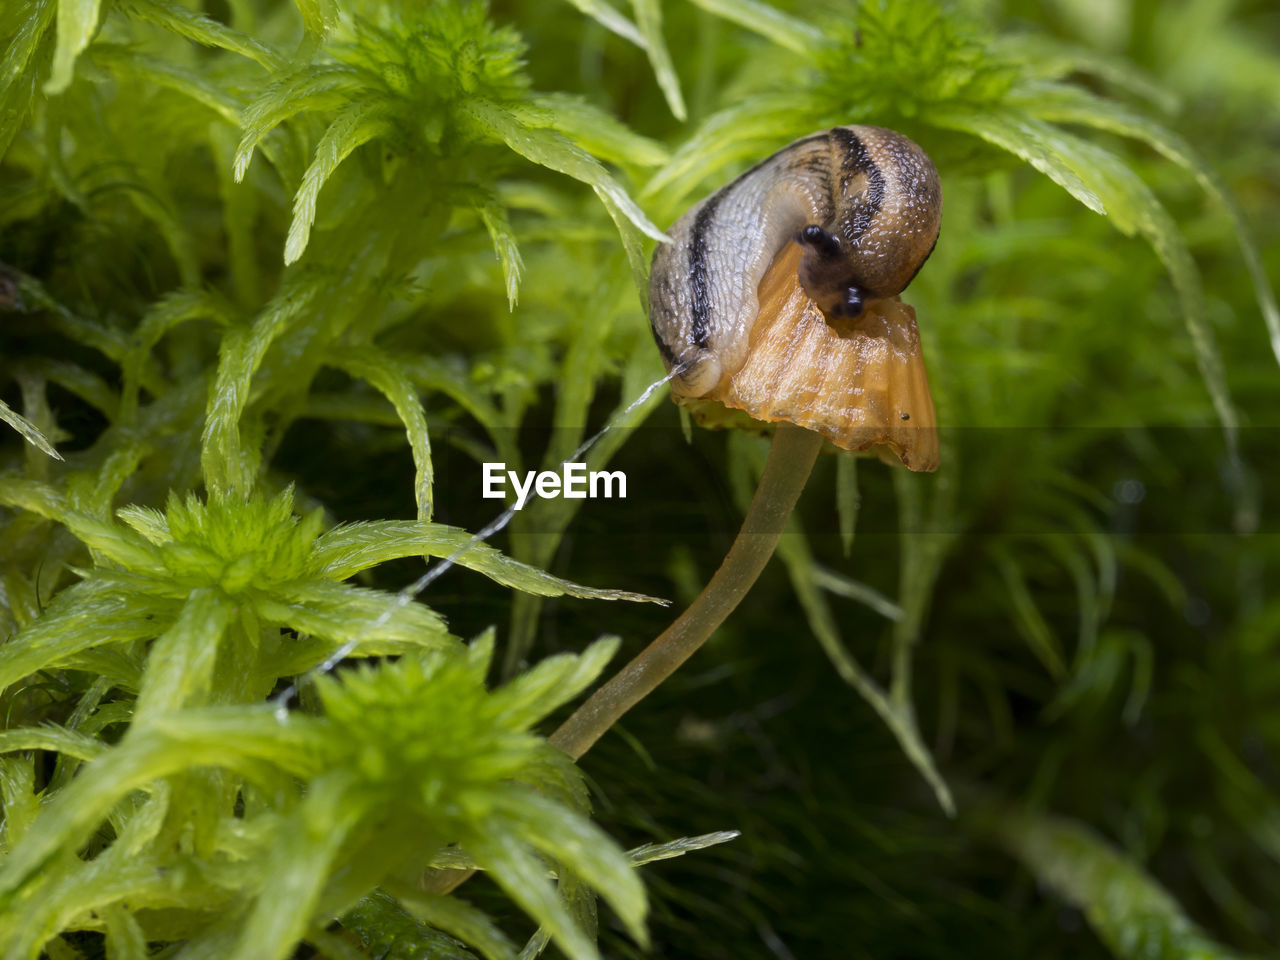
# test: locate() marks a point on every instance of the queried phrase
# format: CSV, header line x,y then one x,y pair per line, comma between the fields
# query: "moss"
x,y
276,279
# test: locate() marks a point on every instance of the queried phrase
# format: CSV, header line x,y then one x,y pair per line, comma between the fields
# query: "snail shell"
x,y
863,202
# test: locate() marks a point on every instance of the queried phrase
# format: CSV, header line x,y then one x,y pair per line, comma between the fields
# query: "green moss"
x,y
275,279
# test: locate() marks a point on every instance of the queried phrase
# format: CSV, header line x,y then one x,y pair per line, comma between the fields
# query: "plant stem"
x,y
791,457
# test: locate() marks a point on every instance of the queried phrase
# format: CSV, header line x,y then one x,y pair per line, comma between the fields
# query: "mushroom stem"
x,y
791,457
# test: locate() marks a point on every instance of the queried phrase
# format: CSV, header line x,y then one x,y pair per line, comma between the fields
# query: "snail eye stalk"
x,y
823,243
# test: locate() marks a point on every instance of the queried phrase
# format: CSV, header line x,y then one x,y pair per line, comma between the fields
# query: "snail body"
x,y
863,202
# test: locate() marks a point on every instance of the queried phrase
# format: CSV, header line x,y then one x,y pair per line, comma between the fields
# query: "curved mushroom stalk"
x,y
791,457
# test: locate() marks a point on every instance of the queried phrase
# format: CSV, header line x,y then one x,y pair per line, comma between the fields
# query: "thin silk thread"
x,y
410,593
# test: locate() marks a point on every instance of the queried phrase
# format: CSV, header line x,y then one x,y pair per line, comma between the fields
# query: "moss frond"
x,y
404,757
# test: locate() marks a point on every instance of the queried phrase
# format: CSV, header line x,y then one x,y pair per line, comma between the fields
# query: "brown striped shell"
x,y
865,203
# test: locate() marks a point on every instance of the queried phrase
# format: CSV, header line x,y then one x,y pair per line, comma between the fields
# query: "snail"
x,y
863,201
851,213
